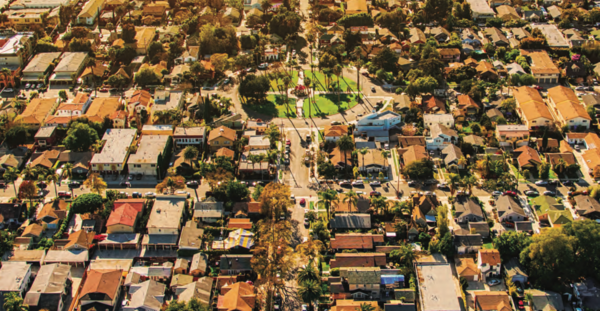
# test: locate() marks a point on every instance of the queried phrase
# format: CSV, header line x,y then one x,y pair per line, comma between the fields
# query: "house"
x,y
139,100
189,136
467,104
167,100
545,300
553,35
343,260
377,122
200,290
440,33
199,264
481,10
351,221
10,214
45,159
221,137
509,210
531,108
440,137
113,157
349,305
449,54
436,285
574,38
407,141
164,222
235,264
567,109
151,149
433,105
122,219
52,214
542,67
46,136
356,7
492,301
507,13
237,297
527,157
78,240
587,207
468,243
15,50
333,133
340,159
445,119
209,210
69,67
488,263
157,129
474,140
372,161
148,296
79,160
101,108
466,268
90,11
550,211
359,241
467,210
36,112
144,36
179,280
515,271
38,67
49,288
416,36
510,133
15,278
156,10
258,142
470,38
555,158
515,69
101,290
363,282
486,71
189,56
452,156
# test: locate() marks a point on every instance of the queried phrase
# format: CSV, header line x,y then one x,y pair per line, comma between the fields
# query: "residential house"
x,y
148,295
481,10
101,290
359,241
531,108
509,210
144,36
567,109
437,289
349,305
407,141
440,137
486,71
46,136
445,119
467,105
363,282
507,13
157,10
545,300
587,207
122,219
542,67
488,263
199,264
79,160
112,158
507,135
550,211
527,157
416,36
333,133
351,221
555,158
449,54
221,137
376,122
492,301
165,101
151,149
349,260
470,38
49,288
466,268
475,141
89,12
10,214
356,7
209,210
439,33
235,264
515,271
69,67
52,214
553,36
36,112
372,161
15,278
78,240
101,108
467,210
139,100
15,50
433,105
468,243
413,153
237,297
164,222
452,157
157,129
38,67
574,38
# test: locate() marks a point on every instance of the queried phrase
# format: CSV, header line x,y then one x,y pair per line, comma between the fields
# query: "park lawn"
x,y
277,85
273,106
325,104
345,82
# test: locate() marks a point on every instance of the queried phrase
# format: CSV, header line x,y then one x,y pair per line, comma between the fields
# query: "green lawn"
x,y
274,106
488,246
277,85
519,176
325,104
552,175
319,79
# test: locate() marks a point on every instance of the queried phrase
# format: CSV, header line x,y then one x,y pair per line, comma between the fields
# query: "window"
x,y
571,121
152,165
137,165
215,143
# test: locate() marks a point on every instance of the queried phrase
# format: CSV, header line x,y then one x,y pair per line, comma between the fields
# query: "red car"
x,y
302,201
537,87
288,142
511,193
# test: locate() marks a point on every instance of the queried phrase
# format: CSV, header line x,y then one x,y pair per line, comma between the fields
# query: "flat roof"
x,y
71,62
40,62
11,43
116,147
67,256
190,131
13,275
149,149
166,212
50,279
436,287
552,34
38,3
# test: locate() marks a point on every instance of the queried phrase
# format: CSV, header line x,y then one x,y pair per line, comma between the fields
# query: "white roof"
x,y
13,275
437,288
71,62
13,42
116,147
438,118
512,128
481,7
149,149
166,212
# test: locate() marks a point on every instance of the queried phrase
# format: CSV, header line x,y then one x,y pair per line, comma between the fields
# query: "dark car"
x,y
139,176
208,194
567,183
192,184
74,184
375,193
42,185
125,184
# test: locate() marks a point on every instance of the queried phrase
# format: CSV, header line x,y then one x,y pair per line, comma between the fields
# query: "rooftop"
x,y
71,62
437,287
116,148
166,212
149,149
13,275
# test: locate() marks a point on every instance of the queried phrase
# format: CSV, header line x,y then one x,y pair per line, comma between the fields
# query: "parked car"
x,y
550,193
375,193
74,184
412,183
373,89
532,193
541,182
302,201
27,85
136,194
496,193
567,183
192,184
64,194
493,282
150,195
288,142
375,183
442,185
344,183
357,183
511,193
180,192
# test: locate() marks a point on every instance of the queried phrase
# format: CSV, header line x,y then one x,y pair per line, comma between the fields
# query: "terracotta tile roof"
x,y
56,210
80,98
138,204
46,159
246,207
81,237
355,240
104,282
141,97
564,147
567,103
97,70
225,152
335,130
123,215
352,305
432,104
358,260
487,301
448,51
592,140
55,120
239,297
222,131
36,111
240,223
102,107
465,101
525,94
407,141
33,230
337,156
414,153
490,256
528,156
466,267
592,158
552,143
533,110
568,157
484,66
541,63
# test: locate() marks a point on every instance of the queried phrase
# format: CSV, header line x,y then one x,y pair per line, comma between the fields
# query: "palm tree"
x,y
351,197
286,82
337,71
308,291
385,154
14,302
52,177
454,180
345,144
379,203
311,248
462,161
399,207
359,63
189,154
328,197
68,170
253,158
366,307
11,174
560,167
308,273
469,182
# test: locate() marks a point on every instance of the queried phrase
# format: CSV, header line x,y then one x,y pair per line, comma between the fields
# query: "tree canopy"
x,y
80,137
87,203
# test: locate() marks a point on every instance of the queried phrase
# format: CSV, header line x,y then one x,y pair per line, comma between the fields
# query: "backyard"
x,y
325,104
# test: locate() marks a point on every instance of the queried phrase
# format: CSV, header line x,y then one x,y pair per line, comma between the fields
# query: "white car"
x,y
180,192
357,183
497,193
541,182
493,282
375,183
150,195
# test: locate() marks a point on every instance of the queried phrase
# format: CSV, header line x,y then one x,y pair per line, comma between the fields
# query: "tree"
x,y
170,183
404,255
95,183
53,178
511,243
386,59
508,104
254,86
328,197
273,133
219,60
11,174
14,302
308,273
586,246
437,10
87,203
550,257
129,32
16,135
351,197
345,144
146,76
311,249
28,190
421,169
190,153
285,22
80,137
63,95
275,200
366,307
